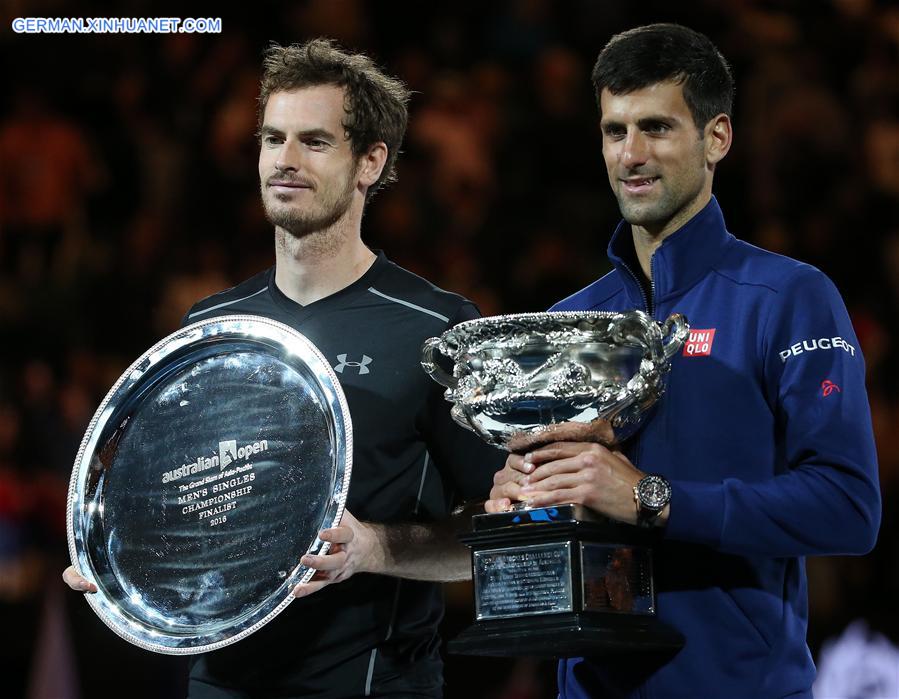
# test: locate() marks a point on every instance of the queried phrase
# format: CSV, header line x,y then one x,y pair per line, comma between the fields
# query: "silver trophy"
x,y
204,476
558,580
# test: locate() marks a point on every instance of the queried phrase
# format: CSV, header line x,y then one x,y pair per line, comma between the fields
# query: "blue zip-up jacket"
x,y
765,435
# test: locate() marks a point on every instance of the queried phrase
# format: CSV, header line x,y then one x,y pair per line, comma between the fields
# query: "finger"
x,y
555,482
564,450
581,463
555,497
337,535
503,476
306,589
332,561
77,582
509,491
499,505
323,556
520,463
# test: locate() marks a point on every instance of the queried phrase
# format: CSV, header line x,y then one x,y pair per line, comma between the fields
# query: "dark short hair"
x,y
655,53
376,104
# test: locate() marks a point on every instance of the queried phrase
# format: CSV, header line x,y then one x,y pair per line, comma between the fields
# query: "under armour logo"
x,y
362,366
828,387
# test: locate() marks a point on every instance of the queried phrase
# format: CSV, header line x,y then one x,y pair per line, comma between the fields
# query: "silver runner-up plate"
x,y
205,475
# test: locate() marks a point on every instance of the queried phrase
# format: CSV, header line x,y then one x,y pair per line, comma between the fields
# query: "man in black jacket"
x,y
330,129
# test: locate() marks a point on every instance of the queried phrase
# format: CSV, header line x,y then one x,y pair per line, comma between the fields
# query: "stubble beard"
x,y
648,214
301,224
675,197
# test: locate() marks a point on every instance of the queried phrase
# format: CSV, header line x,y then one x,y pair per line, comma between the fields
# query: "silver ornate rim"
x,y
542,316
144,636
553,327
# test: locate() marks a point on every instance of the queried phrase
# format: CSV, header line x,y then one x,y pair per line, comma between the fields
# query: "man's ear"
x,y
371,164
719,135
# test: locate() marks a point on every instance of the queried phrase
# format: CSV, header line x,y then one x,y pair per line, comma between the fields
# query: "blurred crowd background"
x,y
128,190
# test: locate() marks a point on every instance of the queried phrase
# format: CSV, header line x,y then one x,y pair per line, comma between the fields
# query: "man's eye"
x,y
271,140
614,133
316,143
657,128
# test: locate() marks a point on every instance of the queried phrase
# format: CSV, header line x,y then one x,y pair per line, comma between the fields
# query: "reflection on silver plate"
x,y
204,476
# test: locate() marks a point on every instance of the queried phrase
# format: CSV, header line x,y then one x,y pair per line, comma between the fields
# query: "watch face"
x,y
654,492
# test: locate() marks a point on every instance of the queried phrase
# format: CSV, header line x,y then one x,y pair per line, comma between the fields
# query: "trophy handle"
x,y
435,371
675,331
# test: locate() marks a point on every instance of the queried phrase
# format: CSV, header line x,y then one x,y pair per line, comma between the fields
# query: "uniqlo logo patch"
x,y
699,344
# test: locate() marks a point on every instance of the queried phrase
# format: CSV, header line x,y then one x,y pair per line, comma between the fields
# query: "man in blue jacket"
x,y
761,452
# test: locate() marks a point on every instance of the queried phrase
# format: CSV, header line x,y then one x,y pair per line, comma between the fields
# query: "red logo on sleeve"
x,y
828,387
699,344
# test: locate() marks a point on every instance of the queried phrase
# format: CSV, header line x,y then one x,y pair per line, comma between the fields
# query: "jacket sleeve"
x,y
824,496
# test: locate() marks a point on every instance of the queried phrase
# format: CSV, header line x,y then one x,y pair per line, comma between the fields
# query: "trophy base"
x,y
558,581
564,635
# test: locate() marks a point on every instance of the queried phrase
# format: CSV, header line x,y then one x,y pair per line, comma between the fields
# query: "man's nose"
x,y
288,157
635,150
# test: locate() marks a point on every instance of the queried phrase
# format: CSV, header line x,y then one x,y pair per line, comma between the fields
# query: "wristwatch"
x,y
651,494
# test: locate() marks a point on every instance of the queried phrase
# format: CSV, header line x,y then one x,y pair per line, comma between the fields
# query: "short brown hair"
x,y
375,103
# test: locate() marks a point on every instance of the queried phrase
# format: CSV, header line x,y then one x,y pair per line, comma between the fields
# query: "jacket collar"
x,y
679,262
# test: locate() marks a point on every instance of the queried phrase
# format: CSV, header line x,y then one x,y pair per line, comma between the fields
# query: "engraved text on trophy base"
x,y
523,580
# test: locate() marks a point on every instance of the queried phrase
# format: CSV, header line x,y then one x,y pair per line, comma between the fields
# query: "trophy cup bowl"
x,y
558,580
